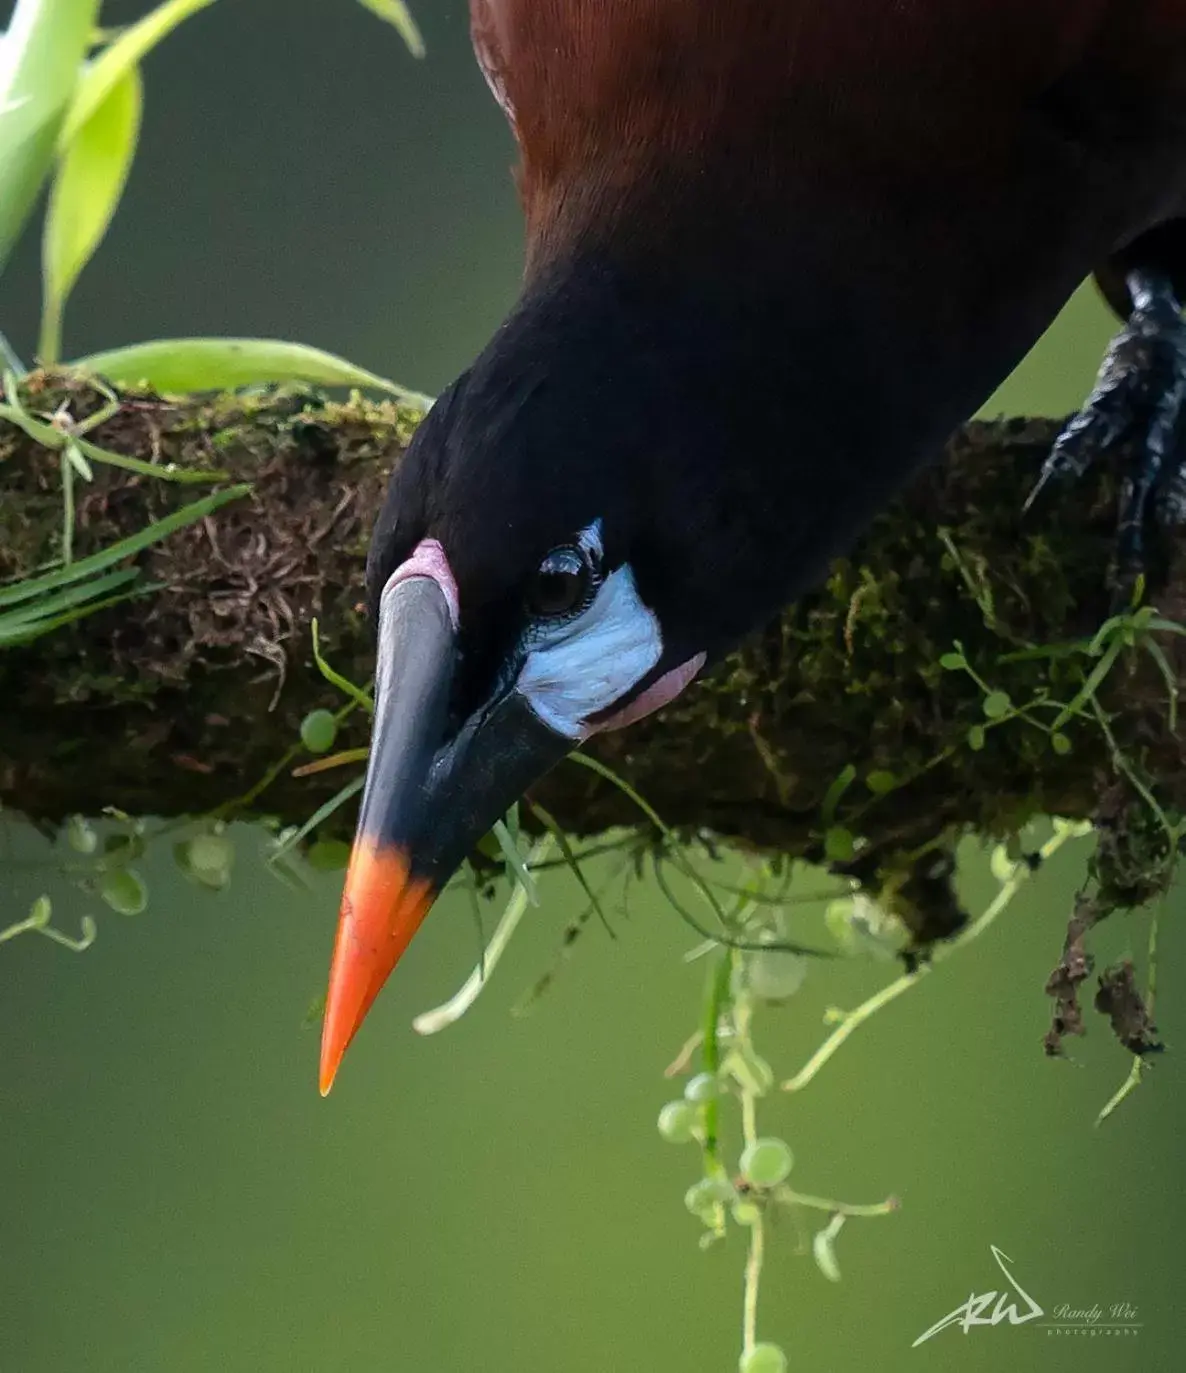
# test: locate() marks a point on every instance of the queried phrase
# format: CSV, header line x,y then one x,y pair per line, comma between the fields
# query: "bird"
x,y
776,251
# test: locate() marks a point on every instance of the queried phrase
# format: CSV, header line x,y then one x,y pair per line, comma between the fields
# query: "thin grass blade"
x,y
124,548
91,589
514,861
70,616
49,437
572,862
323,812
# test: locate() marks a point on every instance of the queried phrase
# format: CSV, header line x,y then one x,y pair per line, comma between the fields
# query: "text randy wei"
x,y
1120,1318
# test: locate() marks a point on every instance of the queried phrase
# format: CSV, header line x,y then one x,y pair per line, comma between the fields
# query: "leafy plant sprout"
x,y
70,112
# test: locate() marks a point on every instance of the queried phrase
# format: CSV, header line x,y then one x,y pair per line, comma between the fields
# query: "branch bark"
x,y
179,703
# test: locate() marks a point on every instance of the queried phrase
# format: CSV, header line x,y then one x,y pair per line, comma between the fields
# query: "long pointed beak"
x,y
426,802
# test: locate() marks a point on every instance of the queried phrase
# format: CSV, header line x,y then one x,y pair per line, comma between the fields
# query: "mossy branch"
x,y
839,722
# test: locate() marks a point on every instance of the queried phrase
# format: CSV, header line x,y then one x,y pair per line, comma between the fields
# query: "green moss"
x,y
850,675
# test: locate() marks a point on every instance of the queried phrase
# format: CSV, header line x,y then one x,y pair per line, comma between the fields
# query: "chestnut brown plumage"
x,y
743,219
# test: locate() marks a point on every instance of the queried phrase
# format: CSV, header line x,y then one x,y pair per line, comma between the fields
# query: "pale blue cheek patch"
x,y
583,666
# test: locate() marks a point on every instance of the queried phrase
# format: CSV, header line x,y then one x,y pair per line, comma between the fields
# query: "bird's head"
x,y
529,587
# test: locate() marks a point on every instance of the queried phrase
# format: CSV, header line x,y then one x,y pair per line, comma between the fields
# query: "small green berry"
x,y
701,1088
80,836
749,1070
124,891
774,974
210,855
319,729
763,1358
702,1196
840,845
996,705
746,1213
766,1162
678,1121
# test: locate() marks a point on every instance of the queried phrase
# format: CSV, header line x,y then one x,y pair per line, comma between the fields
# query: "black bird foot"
x,y
1138,404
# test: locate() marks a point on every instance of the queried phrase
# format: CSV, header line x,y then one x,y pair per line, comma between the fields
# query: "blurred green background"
x,y
174,1195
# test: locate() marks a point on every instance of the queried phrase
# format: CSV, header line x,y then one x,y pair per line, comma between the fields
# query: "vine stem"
x,y
753,1282
786,1196
716,995
36,924
742,1014
1140,1065
431,1022
852,1020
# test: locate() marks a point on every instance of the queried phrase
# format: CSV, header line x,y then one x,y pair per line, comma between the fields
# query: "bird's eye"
x,y
562,584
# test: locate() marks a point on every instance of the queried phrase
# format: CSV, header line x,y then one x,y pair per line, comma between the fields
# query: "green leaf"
x,y
124,891
41,56
80,835
86,190
953,662
825,1255
1060,743
397,14
839,845
40,913
997,704
1168,626
881,781
976,738
221,364
121,57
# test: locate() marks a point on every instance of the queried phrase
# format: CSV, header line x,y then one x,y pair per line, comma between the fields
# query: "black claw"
x,y
1139,403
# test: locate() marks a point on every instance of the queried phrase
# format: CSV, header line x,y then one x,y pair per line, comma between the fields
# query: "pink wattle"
x,y
657,695
429,560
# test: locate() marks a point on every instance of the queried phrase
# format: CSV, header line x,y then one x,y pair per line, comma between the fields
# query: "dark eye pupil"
x,y
556,591
560,585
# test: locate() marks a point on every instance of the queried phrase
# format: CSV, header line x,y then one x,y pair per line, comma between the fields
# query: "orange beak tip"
x,y
382,908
